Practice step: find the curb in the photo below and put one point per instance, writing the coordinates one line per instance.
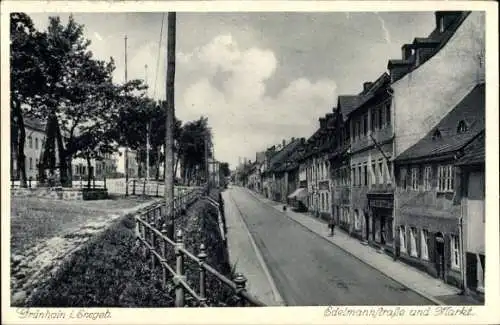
(277, 296)
(420, 293)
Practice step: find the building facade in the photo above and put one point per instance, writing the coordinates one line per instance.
(429, 190)
(133, 166)
(339, 159)
(33, 146)
(371, 155)
(473, 213)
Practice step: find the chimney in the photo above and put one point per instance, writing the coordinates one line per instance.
(424, 48)
(322, 122)
(398, 68)
(445, 18)
(283, 142)
(367, 85)
(406, 51)
(293, 139)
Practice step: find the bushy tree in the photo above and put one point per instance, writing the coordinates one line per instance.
(27, 80)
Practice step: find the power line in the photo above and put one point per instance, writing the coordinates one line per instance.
(158, 57)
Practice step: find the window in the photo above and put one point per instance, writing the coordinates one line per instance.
(353, 176)
(30, 142)
(445, 178)
(36, 163)
(455, 252)
(359, 176)
(403, 178)
(413, 242)
(414, 178)
(374, 119)
(380, 117)
(402, 239)
(424, 249)
(31, 163)
(427, 178)
(389, 175)
(381, 172)
(462, 127)
(365, 174)
(36, 143)
(365, 124)
(374, 171)
(388, 114)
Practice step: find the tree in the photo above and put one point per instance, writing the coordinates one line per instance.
(192, 148)
(224, 169)
(26, 82)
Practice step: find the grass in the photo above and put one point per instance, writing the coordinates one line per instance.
(36, 219)
(112, 271)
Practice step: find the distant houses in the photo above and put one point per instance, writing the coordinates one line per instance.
(400, 165)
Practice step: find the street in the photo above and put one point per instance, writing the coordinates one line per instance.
(309, 271)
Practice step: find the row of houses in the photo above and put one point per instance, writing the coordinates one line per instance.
(400, 165)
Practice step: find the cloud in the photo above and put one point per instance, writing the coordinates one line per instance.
(244, 119)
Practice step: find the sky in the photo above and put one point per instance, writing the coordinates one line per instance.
(258, 77)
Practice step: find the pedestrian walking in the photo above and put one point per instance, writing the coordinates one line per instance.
(331, 226)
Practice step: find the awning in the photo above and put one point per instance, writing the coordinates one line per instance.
(299, 194)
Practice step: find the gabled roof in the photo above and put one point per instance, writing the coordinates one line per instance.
(367, 95)
(280, 157)
(471, 109)
(346, 104)
(474, 152)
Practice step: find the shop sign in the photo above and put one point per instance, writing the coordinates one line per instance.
(377, 203)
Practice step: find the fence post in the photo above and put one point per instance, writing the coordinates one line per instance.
(157, 186)
(153, 239)
(164, 255)
(29, 182)
(144, 188)
(133, 187)
(105, 182)
(93, 182)
(240, 282)
(202, 256)
(179, 290)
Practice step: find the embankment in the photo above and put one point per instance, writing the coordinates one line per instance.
(112, 270)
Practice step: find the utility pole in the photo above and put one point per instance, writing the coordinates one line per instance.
(126, 147)
(147, 133)
(169, 136)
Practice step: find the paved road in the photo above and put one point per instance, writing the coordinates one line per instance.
(310, 271)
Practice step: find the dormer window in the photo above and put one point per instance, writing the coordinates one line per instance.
(462, 127)
(436, 135)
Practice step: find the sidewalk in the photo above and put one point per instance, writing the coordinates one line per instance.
(245, 256)
(422, 283)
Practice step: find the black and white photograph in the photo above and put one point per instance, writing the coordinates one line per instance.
(164, 158)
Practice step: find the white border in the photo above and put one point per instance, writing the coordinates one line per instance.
(490, 313)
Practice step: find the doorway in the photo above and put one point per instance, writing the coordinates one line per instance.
(439, 259)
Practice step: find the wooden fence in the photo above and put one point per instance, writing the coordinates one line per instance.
(157, 245)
